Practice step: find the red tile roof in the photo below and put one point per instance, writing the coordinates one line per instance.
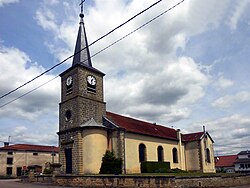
(192, 137)
(225, 161)
(28, 147)
(142, 127)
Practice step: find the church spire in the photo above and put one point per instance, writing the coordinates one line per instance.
(82, 56)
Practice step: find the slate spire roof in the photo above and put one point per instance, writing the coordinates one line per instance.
(82, 54)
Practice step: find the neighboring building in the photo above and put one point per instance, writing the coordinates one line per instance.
(225, 163)
(242, 164)
(16, 158)
(87, 130)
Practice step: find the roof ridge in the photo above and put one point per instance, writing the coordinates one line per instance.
(142, 121)
(34, 145)
(193, 133)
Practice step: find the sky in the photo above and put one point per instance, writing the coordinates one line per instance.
(187, 69)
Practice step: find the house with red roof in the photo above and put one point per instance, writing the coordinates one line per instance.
(225, 163)
(17, 158)
(87, 129)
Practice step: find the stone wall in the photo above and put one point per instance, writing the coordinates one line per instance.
(146, 181)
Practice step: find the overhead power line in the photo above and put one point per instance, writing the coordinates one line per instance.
(48, 70)
(125, 36)
(11, 101)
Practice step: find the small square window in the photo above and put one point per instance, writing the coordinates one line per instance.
(9, 161)
(10, 153)
(35, 153)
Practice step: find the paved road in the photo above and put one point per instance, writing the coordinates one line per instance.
(18, 184)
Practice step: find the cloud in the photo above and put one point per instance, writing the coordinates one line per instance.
(146, 62)
(223, 83)
(238, 11)
(16, 69)
(230, 100)
(23, 134)
(5, 2)
(64, 30)
(231, 134)
(161, 95)
(146, 76)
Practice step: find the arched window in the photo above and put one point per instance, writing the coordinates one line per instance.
(175, 155)
(160, 153)
(208, 159)
(142, 153)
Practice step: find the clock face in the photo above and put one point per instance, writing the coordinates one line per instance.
(69, 81)
(91, 80)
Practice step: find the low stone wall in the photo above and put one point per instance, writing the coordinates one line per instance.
(144, 181)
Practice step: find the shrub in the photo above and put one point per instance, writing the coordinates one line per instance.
(155, 167)
(177, 170)
(110, 164)
(47, 171)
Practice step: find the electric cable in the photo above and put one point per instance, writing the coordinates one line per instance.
(11, 101)
(48, 70)
(138, 28)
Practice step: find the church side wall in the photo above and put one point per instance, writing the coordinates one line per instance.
(132, 142)
(93, 148)
(207, 166)
(192, 156)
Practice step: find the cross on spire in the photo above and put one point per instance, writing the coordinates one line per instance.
(81, 4)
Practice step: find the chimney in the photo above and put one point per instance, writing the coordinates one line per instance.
(178, 132)
(204, 130)
(6, 144)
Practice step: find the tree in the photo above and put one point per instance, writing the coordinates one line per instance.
(110, 164)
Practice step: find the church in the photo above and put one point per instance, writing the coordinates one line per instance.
(87, 130)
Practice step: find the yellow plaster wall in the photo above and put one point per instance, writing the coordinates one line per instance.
(94, 147)
(132, 142)
(206, 166)
(114, 143)
(192, 156)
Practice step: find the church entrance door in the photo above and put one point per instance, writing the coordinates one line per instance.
(68, 156)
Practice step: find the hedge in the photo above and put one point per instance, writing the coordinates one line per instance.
(155, 167)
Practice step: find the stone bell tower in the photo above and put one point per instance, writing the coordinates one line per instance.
(81, 101)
